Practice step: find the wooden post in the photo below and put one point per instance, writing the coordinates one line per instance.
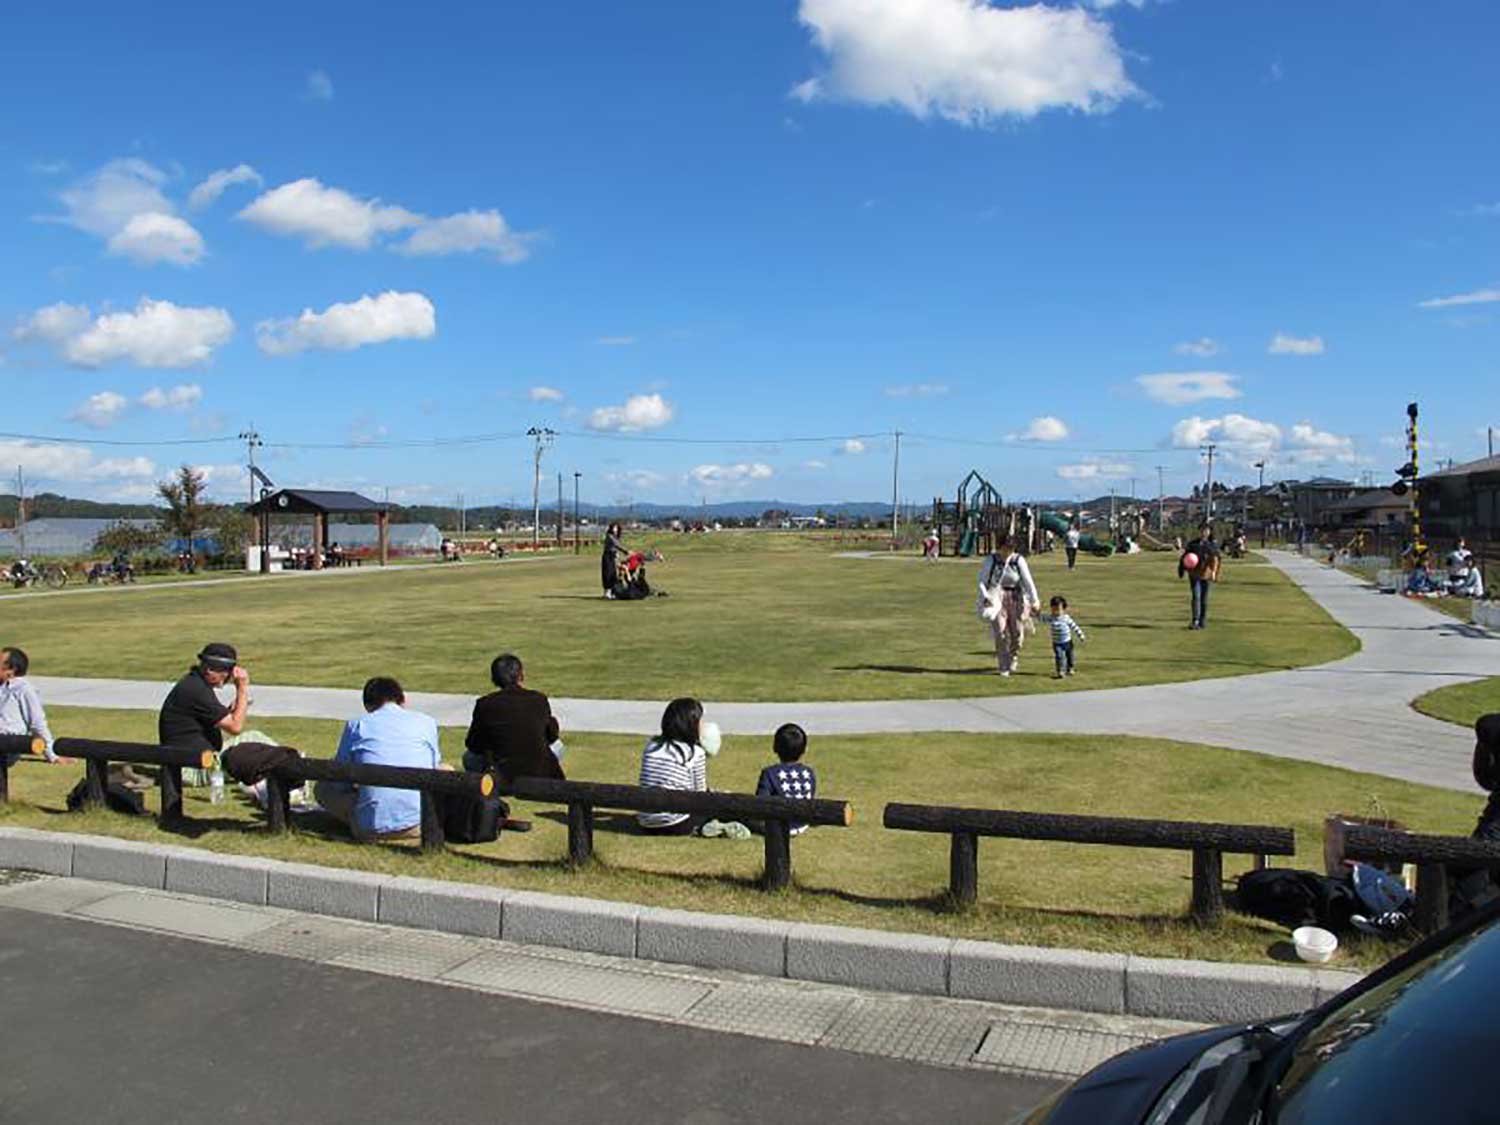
(169, 781)
(1208, 886)
(383, 533)
(778, 855)
(96, 777)
(580, 832)
(963, 867)
(278, 804)
(432, 823)
(4, 778)
(320, 539)
(1431, 913)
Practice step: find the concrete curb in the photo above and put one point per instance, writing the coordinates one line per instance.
(1074, 980)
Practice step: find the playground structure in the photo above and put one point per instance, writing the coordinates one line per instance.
(976, 518)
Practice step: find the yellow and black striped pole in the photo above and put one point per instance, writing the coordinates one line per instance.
(1418, 544)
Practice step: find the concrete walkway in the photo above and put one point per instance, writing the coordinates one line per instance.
(1353, 712)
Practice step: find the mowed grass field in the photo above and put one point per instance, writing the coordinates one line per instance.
(1101, 898)
(754, 617)
(1461, 703)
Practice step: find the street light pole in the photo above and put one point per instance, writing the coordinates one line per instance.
(543, 436)
(577, 543)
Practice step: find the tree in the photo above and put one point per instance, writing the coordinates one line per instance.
(233, 528)
(132, 539)
(183, 495)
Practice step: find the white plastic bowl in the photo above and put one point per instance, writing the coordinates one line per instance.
(1314, 944)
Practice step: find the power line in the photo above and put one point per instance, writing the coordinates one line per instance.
(117, 441)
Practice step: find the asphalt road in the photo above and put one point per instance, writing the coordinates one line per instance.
(105, 1024)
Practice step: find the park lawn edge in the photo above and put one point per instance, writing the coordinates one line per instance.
(1460, 704)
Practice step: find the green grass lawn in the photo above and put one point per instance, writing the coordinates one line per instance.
(1032, 893)
(1461, 703)
(750, 617)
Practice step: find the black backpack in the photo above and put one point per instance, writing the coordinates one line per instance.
(1297, 898)
(471, 820)
(117, 798)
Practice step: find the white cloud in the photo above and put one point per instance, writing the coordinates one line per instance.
(1236, 431)
(466, 233)
(616, 341)
(1478, 297)
(1179, 387)
(44, 461)
(53, 324)
(155, 334)
(184, 396)
(326, 216)
(352, 324)
(851, 446)
(216, 182)
(917, 390)
(1093, 470)
(729, 475)
(1045, 428)
(319, 86)
(101, 410)
(640, 412)
(966, 61)
(815, 464)
(1203, 347)
(641, 479)
(1307, 443)
(123, 204)
(545, 394)
(1282, 344)
(154, 237)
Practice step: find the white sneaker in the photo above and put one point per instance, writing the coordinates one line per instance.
(1005, 673)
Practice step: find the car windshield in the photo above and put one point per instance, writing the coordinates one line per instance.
(1420, 1042)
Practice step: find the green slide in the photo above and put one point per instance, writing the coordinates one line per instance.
(1059, 527)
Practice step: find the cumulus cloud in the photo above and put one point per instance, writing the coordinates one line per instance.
(1282, 344)
(1203, 347)
(319, 86)
(154, 237)
(123, 204)
(917, 390)
(728, 475)
(45, 461)
(351, 324)
(966, 61)
(100, 411)
(153, 334)
(1179, 387)
(1247, 439)
(1045, 428)
(468, 233)
(1093, 470)
(545, 394)
(215, 184)
(1308, 443)
(1478, 297)
(182, 397)
(850, 446)
(640, 412)
(815, 464)
(328, 216)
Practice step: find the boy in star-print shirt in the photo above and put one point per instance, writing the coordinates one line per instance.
(790, 778)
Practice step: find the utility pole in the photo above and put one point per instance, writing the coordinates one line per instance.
(1491, 431)
(896, 490)
(577, 542)
(21, 509)
(543, 436)
(252, 442)
(1208, 511)
(463, 521)
(559, 511)
(1161, 499)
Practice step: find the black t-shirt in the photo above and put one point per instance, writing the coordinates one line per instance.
(190, 715)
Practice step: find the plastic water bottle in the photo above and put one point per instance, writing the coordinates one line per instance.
(216, 785)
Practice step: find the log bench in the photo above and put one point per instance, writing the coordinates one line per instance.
(1208, 842)
(170, 761)
(23, 744)
(777, 814)
(1432, 854)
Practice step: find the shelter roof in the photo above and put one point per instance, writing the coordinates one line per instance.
(306, 501)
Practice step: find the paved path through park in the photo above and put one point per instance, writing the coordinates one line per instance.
(1352, 712)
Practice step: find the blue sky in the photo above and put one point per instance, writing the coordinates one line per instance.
(644, 224)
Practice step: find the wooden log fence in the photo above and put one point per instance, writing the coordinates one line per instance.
(1206, 841)
(1432, 854)
(776, 815)
(97, 754)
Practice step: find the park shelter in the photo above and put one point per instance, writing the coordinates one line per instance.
(321, 505)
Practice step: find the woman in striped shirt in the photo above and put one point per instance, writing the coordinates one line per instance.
(674, 759)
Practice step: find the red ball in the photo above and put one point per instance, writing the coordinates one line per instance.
(1190, 561)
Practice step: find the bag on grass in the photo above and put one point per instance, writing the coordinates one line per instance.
(117, 798)
(471, 820)
(1296, 898)
(249, 762)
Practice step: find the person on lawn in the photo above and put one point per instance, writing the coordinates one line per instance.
(513, 731)
(1203, 574)
(387, 734)
(21, 710)
(1007, 596)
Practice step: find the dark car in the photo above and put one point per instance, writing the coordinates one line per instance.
(1413, 1041)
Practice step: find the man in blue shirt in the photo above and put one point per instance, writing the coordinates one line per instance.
(386, 735)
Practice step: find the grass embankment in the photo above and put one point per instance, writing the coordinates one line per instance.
(1461, 703)
(1131, 900)
(750, 617)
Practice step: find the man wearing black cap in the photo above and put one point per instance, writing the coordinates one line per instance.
(192, 716)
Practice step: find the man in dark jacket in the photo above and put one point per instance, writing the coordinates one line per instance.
(1201, 577)
(513, 728)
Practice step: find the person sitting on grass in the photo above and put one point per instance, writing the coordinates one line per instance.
(192, 717)
(1063, 629)
(513, 731)
(675, 759)
(387, 734)
(21, 709)
(790, 778)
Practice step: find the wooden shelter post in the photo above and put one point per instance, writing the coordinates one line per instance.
(383, 531)
(320, 539)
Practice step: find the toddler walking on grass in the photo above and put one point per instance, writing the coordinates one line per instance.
(1063, 628)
